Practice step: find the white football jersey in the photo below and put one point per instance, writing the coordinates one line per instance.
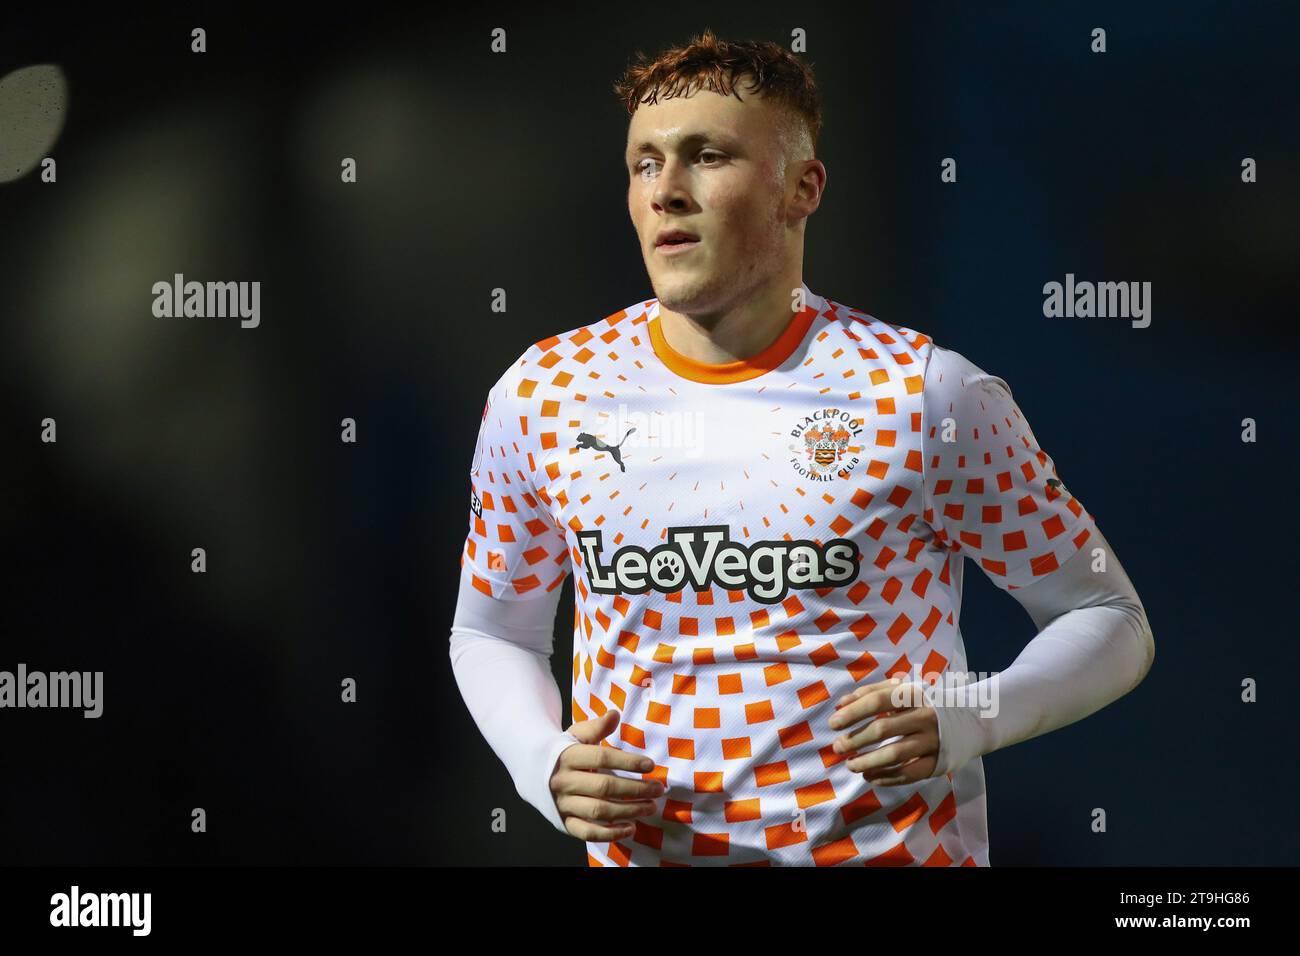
(752, 541)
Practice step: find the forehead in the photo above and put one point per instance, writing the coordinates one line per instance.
(704, 113)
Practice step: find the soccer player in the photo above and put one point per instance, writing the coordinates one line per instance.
(765, 497)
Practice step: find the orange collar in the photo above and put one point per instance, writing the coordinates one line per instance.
(738, 371)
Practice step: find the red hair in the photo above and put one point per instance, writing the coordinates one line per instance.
(717, 65)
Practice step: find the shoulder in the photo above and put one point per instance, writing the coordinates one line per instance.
(886, 343)
(859, 323)
(953, 380)
(548, 366)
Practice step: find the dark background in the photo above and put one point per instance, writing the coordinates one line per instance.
(479, 171)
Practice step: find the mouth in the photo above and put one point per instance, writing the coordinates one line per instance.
(675, 245)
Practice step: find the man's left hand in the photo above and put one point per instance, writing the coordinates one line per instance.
(907, 760)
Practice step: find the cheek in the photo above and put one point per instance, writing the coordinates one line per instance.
(746, 219)
(734, 203)
(640, 221)
(637, 200)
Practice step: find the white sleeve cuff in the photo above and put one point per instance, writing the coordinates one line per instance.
(539, 783)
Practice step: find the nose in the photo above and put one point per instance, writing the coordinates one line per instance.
(670, 191)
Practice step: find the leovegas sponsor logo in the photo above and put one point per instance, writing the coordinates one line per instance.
(704, 555)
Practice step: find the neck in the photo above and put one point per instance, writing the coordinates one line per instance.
(737, 332)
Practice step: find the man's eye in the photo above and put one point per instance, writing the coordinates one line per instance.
(708, 156)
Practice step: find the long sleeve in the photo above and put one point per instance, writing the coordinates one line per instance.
(993, 495)
(1097, 647)
(500, 654)
(513, 562)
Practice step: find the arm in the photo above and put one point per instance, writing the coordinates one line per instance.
(1094, 646)
(500, 654)
(514, 559)
(992, 494)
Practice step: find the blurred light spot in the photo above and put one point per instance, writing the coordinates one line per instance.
(33, 104)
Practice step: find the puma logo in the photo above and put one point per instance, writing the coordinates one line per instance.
(591, 441)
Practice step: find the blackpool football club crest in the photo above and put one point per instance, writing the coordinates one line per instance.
(827, 445)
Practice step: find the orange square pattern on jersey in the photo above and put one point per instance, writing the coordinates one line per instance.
(729, 695)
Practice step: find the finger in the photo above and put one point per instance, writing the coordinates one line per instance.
(896, 724)
(853, 695)
(604, 811)
(894, 695)
(885, 758)
(605, 786)
(918, 769)
(867, 689)
(596, 757)
(867, 705)
(596, 833)
(596, 729)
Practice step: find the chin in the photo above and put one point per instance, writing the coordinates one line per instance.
(683, 293)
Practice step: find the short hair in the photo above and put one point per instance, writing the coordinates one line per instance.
(717, 65)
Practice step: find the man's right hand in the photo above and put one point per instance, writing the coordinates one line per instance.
(595, 805)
